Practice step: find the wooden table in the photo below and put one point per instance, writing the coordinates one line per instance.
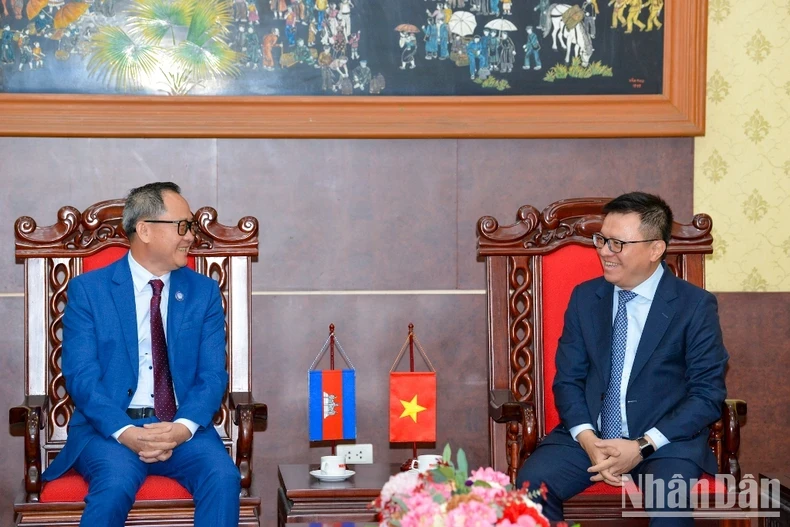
(783, 498)
(303, 498)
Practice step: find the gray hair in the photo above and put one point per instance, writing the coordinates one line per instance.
(145, 202)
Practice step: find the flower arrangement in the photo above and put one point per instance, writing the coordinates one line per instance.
(448, 497)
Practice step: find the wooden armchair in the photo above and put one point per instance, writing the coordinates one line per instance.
(77, 243)
(532, 267)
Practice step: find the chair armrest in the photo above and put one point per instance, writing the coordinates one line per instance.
(725, 437)
(27, 420)
(503, 407)
(249, 416)
(243, 402)
(522, 427)
(733, 416)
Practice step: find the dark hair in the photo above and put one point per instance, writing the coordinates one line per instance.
(654, 213)
(145, 202)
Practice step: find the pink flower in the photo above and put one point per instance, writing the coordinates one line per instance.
(450, 498)
(422, 511)
(489, 475)
(402, 483)
(471, 513)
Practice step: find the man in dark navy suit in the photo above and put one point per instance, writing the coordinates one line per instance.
(640, 371)
(144, 362)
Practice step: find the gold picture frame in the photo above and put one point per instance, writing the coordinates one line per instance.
(678, 111)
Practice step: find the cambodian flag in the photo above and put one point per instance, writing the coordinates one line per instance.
(332, 404)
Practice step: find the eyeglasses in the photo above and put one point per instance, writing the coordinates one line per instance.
(183, 225)
(616, 246)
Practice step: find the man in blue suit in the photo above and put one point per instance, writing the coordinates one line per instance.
(640, 371)
(144, 362)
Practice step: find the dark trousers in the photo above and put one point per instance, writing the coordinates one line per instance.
(114, 474)
(564, 471)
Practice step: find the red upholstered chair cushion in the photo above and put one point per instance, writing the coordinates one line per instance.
(72, 488)
(706, 485)
(563, 270)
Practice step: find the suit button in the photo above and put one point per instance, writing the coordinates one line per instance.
(129, 392)
(603, 396)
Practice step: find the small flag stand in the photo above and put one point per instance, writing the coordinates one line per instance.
(412, 400)
(331, 408)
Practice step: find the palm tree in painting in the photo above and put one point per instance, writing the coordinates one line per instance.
(180, 43)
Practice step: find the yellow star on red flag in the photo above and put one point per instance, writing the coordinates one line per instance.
(412, 393)
(411, 408)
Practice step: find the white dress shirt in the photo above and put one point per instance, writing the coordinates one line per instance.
(143, 292)
(637, 309)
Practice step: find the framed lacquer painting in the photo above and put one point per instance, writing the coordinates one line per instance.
(352, 68)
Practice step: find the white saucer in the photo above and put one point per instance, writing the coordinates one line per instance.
(335, 477)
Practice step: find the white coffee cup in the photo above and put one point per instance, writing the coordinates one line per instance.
(425, 462)
(333, 465)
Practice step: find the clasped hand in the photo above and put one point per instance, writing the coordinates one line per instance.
(610, 458)
(154, 441)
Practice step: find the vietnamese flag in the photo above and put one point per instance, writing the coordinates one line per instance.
(412, 407)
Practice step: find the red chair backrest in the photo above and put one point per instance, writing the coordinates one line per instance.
(563, 270)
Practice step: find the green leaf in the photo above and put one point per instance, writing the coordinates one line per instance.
(438, 477)
(447, 453)
(444, 470)
(152, 20)
(460, 484)
(400, 503)
(214, 59)
(483, 484)
(463, 465)
(118, 57)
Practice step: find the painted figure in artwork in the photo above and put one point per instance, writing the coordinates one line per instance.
(532, 50)
(634, 10)
(473, 50)
(270, 41)
(252, 49)
(344, 15)
(361, 75)
(408, 45)
(655, 10)
(431, 40)
(507, 53)
(444, 40)
(543, 6)
(617, 12)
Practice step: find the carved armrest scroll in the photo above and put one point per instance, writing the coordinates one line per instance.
(249, 416)
(733, 416)
(522, 427)
(27, 420)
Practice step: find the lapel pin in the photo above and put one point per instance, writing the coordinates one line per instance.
(179, 296)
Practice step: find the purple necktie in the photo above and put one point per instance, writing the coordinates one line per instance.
(164, 400)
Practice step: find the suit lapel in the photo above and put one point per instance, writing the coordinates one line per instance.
(123, 296)
(658, 320)
(602, 322)
(176, 305)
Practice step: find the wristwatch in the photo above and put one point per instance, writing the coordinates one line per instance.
(645, 448)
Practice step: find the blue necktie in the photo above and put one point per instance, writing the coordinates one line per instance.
(610, 412)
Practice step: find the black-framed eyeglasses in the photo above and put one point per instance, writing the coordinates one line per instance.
(615, 245)
(183, 225)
